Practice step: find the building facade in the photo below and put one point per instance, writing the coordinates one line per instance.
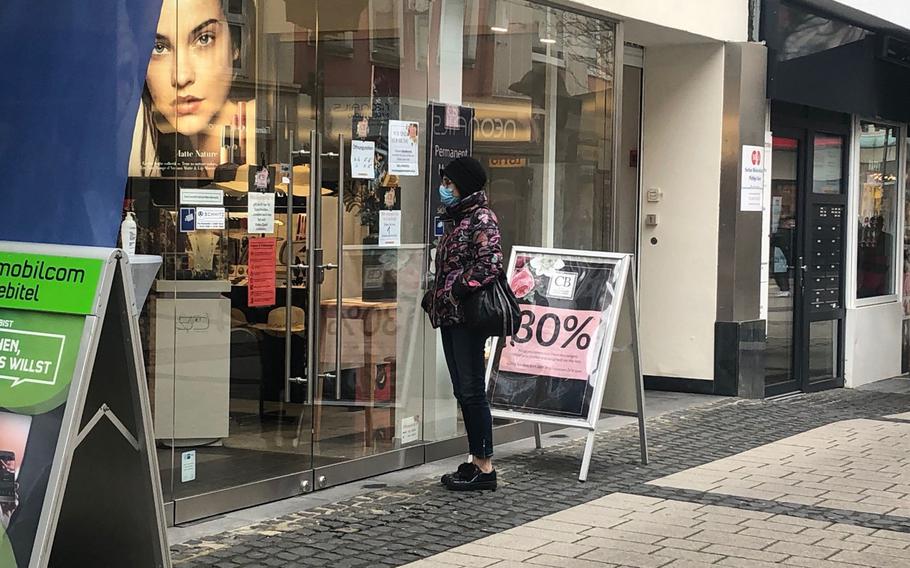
(286, 350)
(281, 157)
(838, 122)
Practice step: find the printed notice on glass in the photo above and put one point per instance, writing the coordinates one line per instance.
(195, 196)
(389, 228)
(261, 275)
(404, 138)
(363, 155)
(753, 179)
(551, 364)
(410, 430)
(261, 213)
(211, 218)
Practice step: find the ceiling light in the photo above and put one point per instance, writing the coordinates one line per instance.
(499, 29)
(547, 40)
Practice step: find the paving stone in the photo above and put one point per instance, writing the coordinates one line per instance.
(690, 555)
(659, 529)
(564, 549)
(560, 562)
(544, 534)
(626, 558)
(736, 540)
(418, 516)
(805, 550)
(738, 562)
(865, 558)
(484, 551)
(747, 553)
(616, 544)
(794, 537)
(616, 534)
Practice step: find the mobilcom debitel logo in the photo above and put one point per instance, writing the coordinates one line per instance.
(48, 283)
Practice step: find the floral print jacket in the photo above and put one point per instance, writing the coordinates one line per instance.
(469, 256)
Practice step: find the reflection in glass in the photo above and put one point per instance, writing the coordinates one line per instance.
(878, 171)
(784, 184)
(805, 33)
(905, 281)
(823, 343)
(828, 164)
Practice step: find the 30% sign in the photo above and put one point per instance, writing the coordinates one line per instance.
(554, 342)
(547, 329)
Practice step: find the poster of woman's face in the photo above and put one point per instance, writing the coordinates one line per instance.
(190, 124)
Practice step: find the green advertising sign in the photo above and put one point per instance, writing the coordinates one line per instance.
(38, 354)
(49, 283)
(7, 558)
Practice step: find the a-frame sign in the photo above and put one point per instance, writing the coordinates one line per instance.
(79, 482)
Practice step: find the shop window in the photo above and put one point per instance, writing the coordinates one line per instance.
(877, 211)
(905, 280)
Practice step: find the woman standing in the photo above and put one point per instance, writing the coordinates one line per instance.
(468, 258)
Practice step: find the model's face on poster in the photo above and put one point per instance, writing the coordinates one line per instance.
(191, 68)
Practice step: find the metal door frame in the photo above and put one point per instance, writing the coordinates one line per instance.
(805, 132)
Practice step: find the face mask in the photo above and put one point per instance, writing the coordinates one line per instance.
(447, 196)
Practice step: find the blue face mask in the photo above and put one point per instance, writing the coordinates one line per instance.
(447, 196)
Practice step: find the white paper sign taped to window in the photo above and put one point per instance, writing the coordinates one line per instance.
(363, 156)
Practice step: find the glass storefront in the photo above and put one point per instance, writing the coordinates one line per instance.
(281, 167)
(878, 209)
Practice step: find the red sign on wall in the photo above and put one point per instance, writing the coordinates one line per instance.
(261, 281)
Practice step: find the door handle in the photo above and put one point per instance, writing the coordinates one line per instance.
(328, 266)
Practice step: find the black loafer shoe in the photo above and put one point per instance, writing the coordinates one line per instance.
(476, 480)
(466, 468)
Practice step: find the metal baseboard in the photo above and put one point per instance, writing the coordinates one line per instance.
(197, 507)
(362, 468)
(501, 435)
(205, 505)
(169, 513)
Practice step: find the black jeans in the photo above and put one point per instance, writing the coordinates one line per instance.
(463, 348)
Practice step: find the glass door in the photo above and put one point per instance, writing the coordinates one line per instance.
(229, 110)
(806, 292)
(369, 251)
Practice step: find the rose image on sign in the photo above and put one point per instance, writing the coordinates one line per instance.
(553, 342)
(523, 283)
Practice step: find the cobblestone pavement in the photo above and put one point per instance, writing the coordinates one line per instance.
(542, 516)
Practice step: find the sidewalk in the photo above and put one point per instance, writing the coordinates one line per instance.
(813, 480)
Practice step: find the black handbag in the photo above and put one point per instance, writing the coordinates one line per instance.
(493, 310)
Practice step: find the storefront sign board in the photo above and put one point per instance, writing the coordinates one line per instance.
(76, 445)
(576, 351)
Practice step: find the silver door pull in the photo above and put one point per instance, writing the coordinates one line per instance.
(300, 266)
(328, 266)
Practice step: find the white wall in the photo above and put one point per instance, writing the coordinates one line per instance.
(726, 20)
(681, 152)
(873, 344)
(894, 11)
